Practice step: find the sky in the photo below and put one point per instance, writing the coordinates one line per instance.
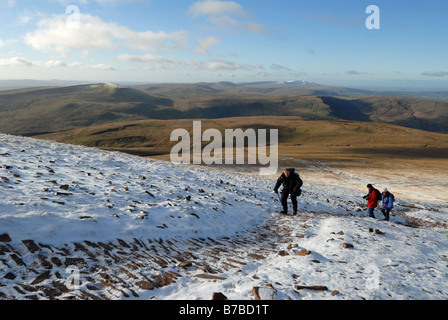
(323, 41)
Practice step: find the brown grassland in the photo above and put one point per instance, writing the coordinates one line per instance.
(367, 149)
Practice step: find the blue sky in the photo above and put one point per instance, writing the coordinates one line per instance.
(324, 41)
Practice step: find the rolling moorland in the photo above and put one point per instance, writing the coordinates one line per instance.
(37, 111)
(316, 123)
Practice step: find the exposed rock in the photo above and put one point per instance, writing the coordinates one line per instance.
(185, 264)
(64, 194)
(209, 276)
(79, 262)
(147, 192)
(145, 285)
(42, 277)
(264, 293)
(303, 252)
(218, 296)
(44, 262)
(256, 256)
(5, 238)
(17, 260)
(10, 276)
(317, 288)
(56, 261)
(347, 245)
(163, 280)
(283, 253)
(236, 261)
(31, 246)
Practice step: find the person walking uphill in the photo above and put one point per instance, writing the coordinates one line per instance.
(388, 203)
(372, 199)
(291, 182)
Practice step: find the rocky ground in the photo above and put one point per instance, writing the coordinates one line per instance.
(137, 269)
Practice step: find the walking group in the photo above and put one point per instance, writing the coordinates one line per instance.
(374, 196)
(292, 183)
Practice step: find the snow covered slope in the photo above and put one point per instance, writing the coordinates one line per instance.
(146, 229)
(57, 193)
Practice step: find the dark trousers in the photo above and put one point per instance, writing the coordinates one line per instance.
(386, 212)
(284, 200)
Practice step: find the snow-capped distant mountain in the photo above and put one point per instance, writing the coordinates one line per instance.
(300, 83)
(81, 223)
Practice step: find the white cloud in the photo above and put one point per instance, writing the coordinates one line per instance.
(216, 65)
(148, 58)
(54, 64)
(256, 28)
(92, 33)
(79, 65)
(7, 3)
(169, 63)
(105, 3)
(24, 18)
(102, 67)
(15, 62)
(205, 44)
(226, 15)
(23, 62)
(279, 67)
(353, 72)
(215, 7)
(435, 74)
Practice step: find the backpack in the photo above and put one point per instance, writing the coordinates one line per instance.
(379, 196)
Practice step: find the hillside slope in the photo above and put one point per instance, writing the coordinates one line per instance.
(41, 110)
(55, 109)
(298, 137)
(80, 223)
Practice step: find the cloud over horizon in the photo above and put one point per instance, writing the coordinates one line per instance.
(92, 33)
(435, 74)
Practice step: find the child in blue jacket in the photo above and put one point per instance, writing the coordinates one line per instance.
(388, 203)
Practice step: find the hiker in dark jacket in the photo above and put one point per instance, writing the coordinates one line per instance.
(291, 182)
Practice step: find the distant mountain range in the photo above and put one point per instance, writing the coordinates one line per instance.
(35, 111)
(294, 87)
(196, 90)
